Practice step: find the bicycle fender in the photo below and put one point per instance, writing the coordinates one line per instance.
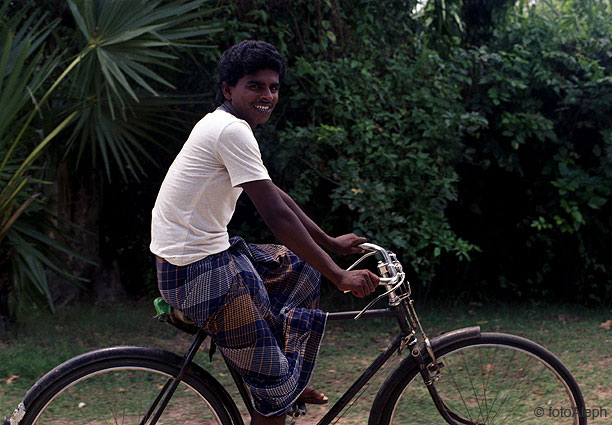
(132, 352)
(408, 367)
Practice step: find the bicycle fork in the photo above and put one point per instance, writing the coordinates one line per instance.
(172, 384)
(429, 369)
(425, 369)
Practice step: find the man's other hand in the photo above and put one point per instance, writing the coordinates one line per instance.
(346, 244)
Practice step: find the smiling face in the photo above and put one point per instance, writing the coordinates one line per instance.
(253, 97)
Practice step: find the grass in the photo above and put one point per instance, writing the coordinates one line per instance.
(572, 333)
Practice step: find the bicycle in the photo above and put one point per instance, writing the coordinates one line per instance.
(471, 378)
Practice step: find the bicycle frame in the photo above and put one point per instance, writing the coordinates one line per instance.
(400, 307)
(364, 378)
(402, 339)
(166, 393)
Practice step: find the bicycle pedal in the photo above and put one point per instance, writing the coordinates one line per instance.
(298, 409)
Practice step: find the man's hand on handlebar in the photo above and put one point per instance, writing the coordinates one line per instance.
(346, 244)
(359, 282)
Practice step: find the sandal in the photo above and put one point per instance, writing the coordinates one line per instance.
(312, 396)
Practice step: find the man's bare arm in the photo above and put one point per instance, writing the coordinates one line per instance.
(291, 231)
(345, 244)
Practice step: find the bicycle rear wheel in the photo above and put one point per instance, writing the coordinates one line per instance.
(494, 379)
(119, 385)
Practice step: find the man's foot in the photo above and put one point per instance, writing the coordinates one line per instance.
(312, 396)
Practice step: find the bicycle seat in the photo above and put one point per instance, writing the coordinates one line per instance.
(167, 313)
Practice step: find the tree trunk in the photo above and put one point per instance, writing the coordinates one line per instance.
(79, 202)
(5, 313)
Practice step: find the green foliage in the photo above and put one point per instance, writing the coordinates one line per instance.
(447, 135)
(378, 129)
(544, 86)
(117, 88)
(98, 94)
(25, 249)
(412, 131)
(448, 23)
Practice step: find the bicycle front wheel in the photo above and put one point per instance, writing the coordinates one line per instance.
(494, 379)
(119, 386)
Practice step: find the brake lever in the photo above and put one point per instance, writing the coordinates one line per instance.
(397, 281)
(383, 280)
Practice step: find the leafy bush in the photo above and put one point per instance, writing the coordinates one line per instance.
(505, 143)
(370, 124)
(383, 141)
(543, 165)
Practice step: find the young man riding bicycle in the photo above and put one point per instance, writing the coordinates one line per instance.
(258, 302)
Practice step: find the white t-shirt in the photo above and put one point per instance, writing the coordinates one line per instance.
(198, 196)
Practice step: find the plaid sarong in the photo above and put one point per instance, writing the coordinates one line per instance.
(259, 304)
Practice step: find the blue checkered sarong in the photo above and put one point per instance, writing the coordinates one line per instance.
(259, 304)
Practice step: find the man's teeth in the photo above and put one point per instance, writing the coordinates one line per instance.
(262, 108)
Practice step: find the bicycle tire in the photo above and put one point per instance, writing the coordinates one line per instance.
(117, 385)
(491, 379)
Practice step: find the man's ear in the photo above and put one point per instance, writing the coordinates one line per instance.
(227, 90)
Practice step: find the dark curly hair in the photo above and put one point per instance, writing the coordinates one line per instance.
(247, 57)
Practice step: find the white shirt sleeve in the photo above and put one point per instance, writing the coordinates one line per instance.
(239, 152)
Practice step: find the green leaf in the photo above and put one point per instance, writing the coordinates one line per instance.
(596, 202)
(331, 36)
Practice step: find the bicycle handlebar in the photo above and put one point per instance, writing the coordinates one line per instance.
(390, 265)
(375, 248)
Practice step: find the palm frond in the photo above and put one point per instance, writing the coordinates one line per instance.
(135, 44)
(25, 70)
(128, 37)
